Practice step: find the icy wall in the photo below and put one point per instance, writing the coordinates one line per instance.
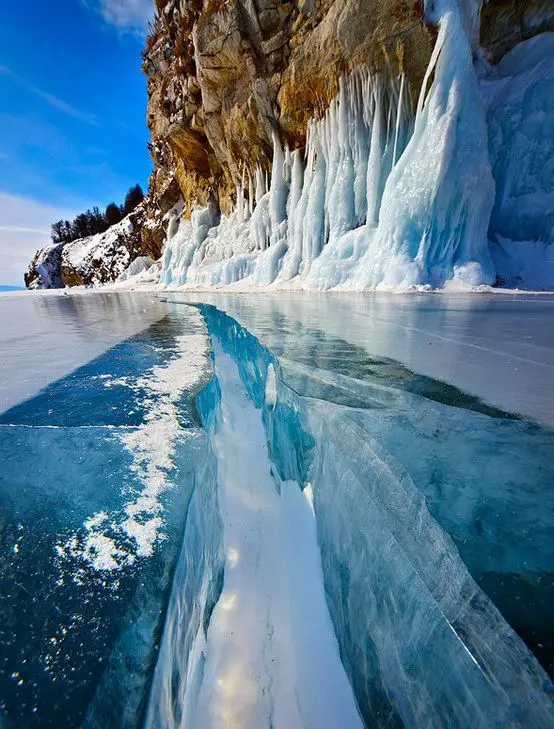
(382, 199)
(519, 94)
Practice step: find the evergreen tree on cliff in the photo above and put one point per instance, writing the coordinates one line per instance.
(93, 221)
(133, 198)
(113, 214)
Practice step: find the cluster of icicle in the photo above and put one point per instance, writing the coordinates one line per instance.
(380, 199)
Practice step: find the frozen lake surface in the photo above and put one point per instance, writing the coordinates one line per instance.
(45, 337)
(499, 348)
(276, 510)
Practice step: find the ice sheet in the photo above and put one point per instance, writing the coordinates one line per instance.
(271, 657)
(421, 643)
(42, 338)
(497, 348)
(97, 473)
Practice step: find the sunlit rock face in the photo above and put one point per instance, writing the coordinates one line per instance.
(102, 258)
(223, 75)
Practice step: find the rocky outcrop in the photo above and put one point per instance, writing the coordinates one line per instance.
(102, 258)
(223, 74)
(44, 271)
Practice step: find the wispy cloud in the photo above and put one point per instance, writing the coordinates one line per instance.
(125, 15)
(24, 227)
(50, 99)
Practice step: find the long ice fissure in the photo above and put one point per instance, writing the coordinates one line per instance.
(271, 655)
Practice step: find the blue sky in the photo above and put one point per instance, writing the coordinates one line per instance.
(72, 115)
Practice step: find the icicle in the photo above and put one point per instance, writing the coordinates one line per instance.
(297, 181)
(279, 186)
(261, 187)
(239, 205)
(310, 221)
(250, 195)
(339, 202)
(398, 118)
(298, 200)
(375, 157)
(287, 166)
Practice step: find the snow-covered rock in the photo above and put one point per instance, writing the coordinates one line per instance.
(100, 258)
(142, 267)
(44, 269)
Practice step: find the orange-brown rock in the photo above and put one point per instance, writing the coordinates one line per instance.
(222, 74)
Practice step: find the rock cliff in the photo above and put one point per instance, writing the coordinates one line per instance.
(223, 74)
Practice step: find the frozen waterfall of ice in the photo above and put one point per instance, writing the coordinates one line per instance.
(437, 201)
(379, 200)
(383, 199)
(519, 94)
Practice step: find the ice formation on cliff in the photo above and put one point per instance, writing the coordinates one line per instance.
(519, 95)
(382, 199)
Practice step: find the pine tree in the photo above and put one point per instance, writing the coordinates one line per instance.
(132, 199)
(92, 222)
(113, 213)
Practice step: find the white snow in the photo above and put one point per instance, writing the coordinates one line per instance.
(88, 256)
(152, 446)
(47, 266)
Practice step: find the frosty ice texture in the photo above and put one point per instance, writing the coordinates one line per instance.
(92, 522)
(422, 645)
(329, 498)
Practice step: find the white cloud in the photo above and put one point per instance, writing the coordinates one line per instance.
(131, 15)
(64, 107)
(24, 227)
(54, 101)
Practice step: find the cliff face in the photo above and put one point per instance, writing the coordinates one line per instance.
(103, 257)
(223, 74)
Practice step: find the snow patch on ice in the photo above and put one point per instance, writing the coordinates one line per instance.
(109, 542)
